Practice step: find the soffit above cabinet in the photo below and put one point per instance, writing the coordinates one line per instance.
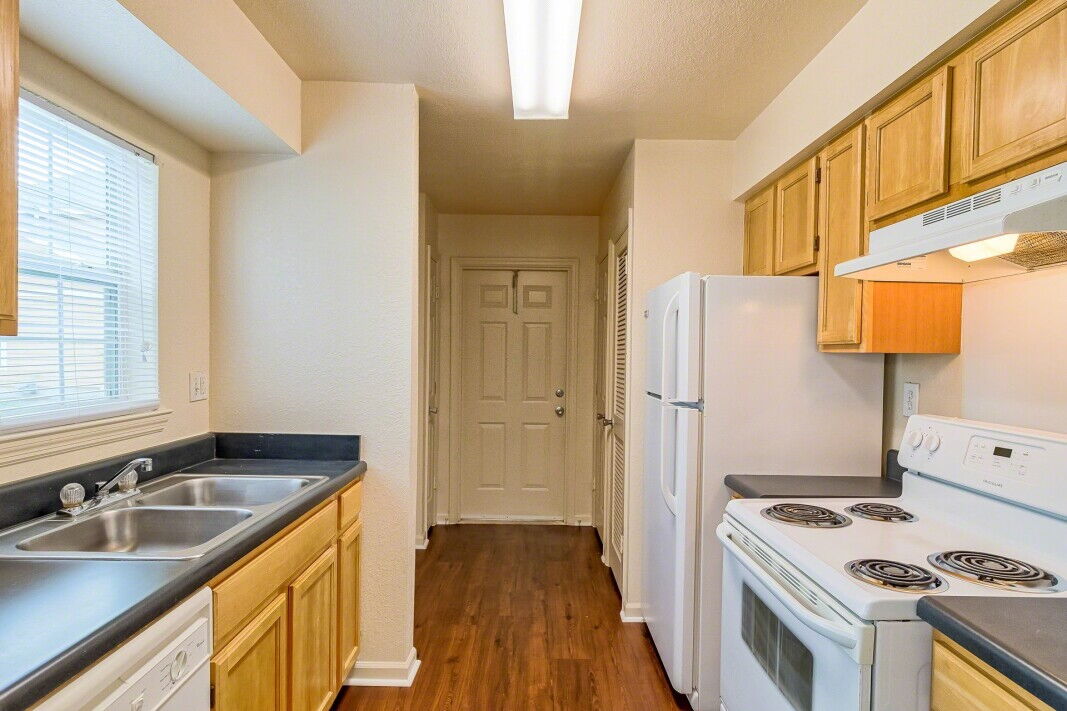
(181, 71)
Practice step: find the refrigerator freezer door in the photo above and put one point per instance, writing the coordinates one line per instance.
(673, 339)
(671, 488)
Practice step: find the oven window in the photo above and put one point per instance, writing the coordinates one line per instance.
(786, 660)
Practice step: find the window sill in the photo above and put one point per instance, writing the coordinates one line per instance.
(37, 444)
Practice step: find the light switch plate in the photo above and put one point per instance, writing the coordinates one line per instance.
(911, 399)
(197, 386)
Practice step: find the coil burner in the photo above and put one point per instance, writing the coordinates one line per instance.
(903, 577)
(806, 515)
(997, 571)
(880, 512)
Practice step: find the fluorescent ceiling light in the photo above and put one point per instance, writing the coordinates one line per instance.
(992, 247)
(542, 41)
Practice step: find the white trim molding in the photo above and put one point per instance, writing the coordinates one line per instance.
(368, 673)
(20, 447)
(631, 612)
(422, 544)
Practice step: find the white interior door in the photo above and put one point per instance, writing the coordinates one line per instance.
(433, 363)
(600, 394)
(513, 355)
(620, 287)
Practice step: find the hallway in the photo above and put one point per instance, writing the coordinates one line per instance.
(521, 617)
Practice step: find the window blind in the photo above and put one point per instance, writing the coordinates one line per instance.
(87, 261)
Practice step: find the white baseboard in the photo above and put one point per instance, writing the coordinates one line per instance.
(421, 545)
(631, 612)
(442, 519)
(583, 521)
(384, 673)
(604, 560)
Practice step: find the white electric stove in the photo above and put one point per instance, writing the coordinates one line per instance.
(820, 595)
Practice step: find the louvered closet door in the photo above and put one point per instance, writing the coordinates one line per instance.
(617, 438)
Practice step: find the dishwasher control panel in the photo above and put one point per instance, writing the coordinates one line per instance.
(147, 688)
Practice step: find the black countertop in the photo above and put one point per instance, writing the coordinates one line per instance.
(58, 617)
(774, 486)
(1024, 638)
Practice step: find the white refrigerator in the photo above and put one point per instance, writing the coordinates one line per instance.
(735, 384)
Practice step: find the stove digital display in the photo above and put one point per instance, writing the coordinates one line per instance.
(1001, 452)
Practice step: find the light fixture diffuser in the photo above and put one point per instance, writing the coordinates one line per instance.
(542, 42)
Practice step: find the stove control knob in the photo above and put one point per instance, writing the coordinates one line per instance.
(915, 439)
(933, 441)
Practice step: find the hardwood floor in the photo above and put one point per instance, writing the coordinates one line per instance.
(521, 617)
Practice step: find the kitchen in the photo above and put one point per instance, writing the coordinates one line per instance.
(344, 216)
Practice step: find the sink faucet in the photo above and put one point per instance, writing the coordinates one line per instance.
(73, 495)
(125, 479)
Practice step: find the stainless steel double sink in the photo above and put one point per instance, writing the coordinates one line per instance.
(176, 517)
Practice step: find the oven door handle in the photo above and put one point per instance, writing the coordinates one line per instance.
(846, 635)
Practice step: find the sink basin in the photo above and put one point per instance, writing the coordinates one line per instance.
(224, 491)
(141, 531)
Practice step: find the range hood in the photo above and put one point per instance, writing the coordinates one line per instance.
(1014, 228)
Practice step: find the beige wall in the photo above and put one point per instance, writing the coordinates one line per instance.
(529, 236)
(184, 195)
(1010, 369)
(883, 47)
(314, 315)
(684, 220)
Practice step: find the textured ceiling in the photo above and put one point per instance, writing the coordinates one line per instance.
(645, 69)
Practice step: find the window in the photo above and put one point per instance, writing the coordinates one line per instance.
(87, 343)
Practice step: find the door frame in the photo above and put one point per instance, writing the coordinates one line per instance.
(431, 304)
(455, 391)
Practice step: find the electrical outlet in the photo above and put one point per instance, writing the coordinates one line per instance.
(911, 399)
(197, 386)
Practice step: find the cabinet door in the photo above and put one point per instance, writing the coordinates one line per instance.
(251, 673)
(9, 109)
(313, 630)
(794, 220)
(1015, 91)
(907, 153)
(962, 683)
(348, 550)
(759, 234)
(841, 237)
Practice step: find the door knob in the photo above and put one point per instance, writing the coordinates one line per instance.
(606, 422)
(559, 392)
(559, 411)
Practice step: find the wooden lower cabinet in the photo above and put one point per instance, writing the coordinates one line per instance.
(963, 682)
(252, 672)
(348, 556)
(287, 615)
(313, 627)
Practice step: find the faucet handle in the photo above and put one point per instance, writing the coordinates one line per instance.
(128, 482)
(72, 495)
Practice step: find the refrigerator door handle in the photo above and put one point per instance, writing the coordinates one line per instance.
(667, 447)
(669, 366)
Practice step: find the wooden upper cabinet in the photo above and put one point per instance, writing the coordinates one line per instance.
(841, 234)
(9, 109)
(251, 673)
(313, 630)
(794, 220)
(1014, 102)
(907, 150)
(759, 234)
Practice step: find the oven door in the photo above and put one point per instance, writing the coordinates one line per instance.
(786, 644)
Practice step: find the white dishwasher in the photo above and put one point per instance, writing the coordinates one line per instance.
(165, 667)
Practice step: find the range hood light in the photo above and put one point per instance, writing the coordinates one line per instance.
(542, 42)
(992, 247)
